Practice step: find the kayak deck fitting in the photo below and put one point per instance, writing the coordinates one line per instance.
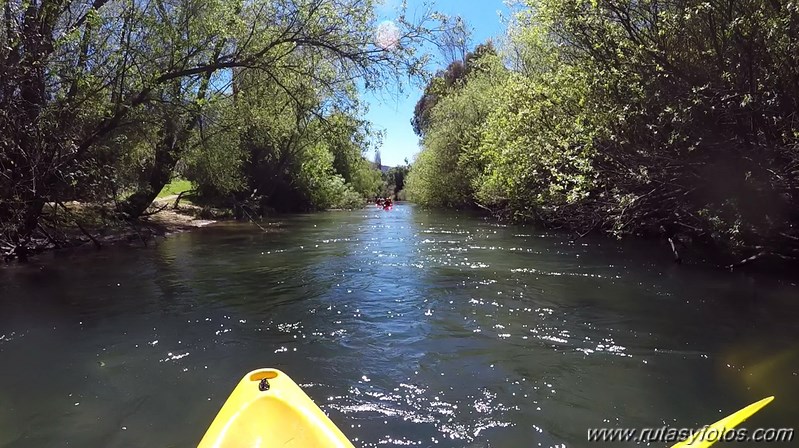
(268, 409)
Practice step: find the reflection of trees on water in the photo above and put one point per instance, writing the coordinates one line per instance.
(524, 326)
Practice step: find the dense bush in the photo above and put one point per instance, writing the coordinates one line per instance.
(633, 117)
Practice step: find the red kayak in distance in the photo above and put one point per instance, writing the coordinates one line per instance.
(385, 204)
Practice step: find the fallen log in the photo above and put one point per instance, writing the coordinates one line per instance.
(677, 258)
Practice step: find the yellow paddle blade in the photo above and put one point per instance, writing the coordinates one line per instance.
(710, 435)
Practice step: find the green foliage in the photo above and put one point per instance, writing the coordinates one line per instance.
(444, 170)
(538, 144)
(446, 81)
(395, 179)
(321, 185)
(269, 150)
(215, 164)
(634, 117)
(177, 186)
(349, 139)
(107, 100)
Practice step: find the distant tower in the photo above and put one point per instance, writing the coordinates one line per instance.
(377, 160)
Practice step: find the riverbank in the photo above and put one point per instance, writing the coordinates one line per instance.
(80, 226)
(88, 227)
(76, 225)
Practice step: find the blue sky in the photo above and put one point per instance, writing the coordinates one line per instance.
(392, 111)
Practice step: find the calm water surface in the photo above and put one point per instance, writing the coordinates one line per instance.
(409, 328)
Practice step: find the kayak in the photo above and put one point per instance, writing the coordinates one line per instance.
(268, 409)
(716, 431)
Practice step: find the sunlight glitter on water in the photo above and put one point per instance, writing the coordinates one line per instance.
(385, 323)
(418, 405)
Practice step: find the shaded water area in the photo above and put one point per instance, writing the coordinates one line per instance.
(409, 328)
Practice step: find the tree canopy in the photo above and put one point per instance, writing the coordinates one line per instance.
(645, 117)
(107, 100)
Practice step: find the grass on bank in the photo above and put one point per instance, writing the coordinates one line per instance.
(177, 186)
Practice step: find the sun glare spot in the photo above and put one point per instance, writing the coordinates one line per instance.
(387, 35)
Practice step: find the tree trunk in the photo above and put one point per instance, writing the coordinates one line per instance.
(25, 228)
(167, 154)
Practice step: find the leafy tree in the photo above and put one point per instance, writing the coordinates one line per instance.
(633, 117)
(395, 179)
(455, 39)
(450, 160)
(350, 140)
(445, 82)
(77, 72)
(290, 153)
(699, 141)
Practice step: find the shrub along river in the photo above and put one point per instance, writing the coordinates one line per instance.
(408, 327)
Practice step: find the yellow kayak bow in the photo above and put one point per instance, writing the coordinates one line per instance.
(268, 409)
(723, 426)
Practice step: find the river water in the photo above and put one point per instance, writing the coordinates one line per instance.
(408, 327)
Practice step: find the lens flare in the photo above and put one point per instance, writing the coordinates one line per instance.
(387, 35)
